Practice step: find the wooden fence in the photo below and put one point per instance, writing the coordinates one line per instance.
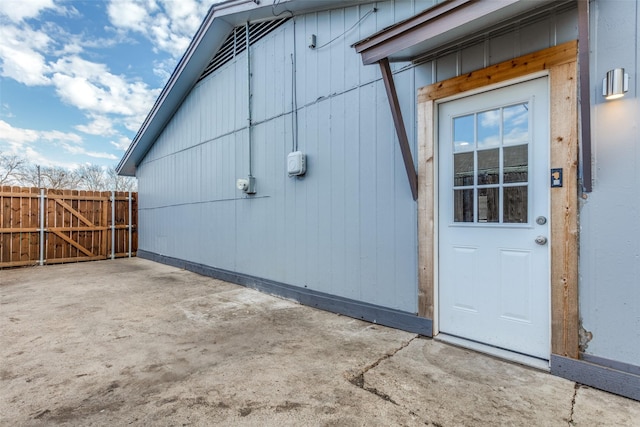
(45, 226)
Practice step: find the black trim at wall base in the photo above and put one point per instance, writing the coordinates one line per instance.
(605, 378)
(359, 310)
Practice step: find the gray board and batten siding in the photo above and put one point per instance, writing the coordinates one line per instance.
(610, 215)
(348, 227)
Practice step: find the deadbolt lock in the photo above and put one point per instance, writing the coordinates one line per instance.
(541, 220)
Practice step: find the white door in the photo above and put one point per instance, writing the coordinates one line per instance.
(493, 205)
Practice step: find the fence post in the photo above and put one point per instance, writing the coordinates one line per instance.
(113, 224)
(130, 222)
(42, 208)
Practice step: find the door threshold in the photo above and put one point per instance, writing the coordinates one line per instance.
(500, 353)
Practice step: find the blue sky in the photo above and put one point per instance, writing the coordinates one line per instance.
(79, 76)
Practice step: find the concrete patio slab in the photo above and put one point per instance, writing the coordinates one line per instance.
(594, 407)
(446, 385)
(132, 342)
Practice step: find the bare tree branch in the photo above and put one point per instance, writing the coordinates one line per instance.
(92, 178)
(11, 166)
(121, 183)
(59, 178)
(16, 170)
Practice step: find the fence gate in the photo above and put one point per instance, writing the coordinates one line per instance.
(45, 226)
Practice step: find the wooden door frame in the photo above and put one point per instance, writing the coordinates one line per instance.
(560, 62)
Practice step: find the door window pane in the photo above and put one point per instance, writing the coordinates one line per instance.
(489, 129)
(463, 133)
(516, 164)
(516, 205)
(489, 204)
(463, 169)
(489, 166)
(463, 205)
(516, 124)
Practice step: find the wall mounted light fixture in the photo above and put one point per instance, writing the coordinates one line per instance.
(615, 84)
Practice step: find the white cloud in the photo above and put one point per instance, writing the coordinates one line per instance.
(87, 85)
(16, 136)
(128, 14)
(98, 155)
(21, 55)
(78, 150)
(169, 24)
(188, 13)
(19, 136)
(58, 136)
(99, 125)
(17, 10)
(90, 86)
(490, 119)
(24, 142)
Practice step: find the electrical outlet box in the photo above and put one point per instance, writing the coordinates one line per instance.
(242, 184)
(296, 164)
(248, 185)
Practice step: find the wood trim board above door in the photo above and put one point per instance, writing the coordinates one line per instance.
(514, 68)
(561, 64)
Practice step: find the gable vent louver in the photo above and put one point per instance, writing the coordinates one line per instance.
(235, 44)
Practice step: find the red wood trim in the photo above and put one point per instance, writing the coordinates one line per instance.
(401, 131)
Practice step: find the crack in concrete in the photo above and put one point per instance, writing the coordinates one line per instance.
(358, 379)
(573, 404)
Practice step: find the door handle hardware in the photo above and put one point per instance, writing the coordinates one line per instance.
(541, 240)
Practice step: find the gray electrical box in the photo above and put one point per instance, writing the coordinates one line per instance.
(296, 164)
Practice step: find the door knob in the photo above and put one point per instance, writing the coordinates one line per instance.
(541, 240)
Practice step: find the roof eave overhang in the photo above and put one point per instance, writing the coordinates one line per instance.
(438, 25)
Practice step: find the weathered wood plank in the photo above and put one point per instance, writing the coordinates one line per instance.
(104, 221)
(76, 197)
(81, 229)
(15, 221)
(5, 193)
(34, 253)
(426, 194)
(24, 220)
(507, 70)
(74, 212)
(75, 259)
(564, 214)
(72, 243)
(17, 263)
(19, 230)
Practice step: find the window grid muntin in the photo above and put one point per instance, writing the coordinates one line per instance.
(473, 148)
